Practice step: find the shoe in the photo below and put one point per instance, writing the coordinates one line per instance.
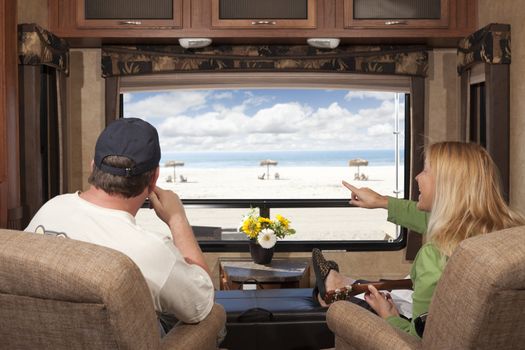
(322, 268)
(339, 294)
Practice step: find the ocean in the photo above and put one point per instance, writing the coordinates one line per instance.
(284, 158)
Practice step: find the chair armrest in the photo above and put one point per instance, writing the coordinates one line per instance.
(362, 329)
(202, 335)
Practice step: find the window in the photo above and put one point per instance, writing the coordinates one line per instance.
(282, 149)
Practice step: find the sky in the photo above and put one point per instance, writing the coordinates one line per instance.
(268, 119)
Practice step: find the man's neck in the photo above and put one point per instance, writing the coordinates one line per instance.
(103, 199)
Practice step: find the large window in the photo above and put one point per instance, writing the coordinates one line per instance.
(283, 151)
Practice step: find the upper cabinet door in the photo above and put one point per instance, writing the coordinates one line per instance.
(259, 14)
(129, 13)
(397, 14)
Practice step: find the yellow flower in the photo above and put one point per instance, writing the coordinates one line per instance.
(253, 224)
(251, 227)
(284, 221)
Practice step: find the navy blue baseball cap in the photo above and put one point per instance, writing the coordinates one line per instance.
(133, 138)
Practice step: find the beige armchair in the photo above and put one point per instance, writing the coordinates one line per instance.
(58, 293)
(479, 303)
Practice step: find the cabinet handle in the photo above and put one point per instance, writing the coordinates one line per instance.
(135, 23)
(263, 22)
(394, 23)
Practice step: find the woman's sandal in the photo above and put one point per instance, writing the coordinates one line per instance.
(322, 268)
(361, 286)
(339, 294)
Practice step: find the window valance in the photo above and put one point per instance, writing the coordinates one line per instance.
(37, 46)
(490, 44)
(142, 59)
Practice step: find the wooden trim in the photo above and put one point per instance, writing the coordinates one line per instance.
(3, 118)
(9, 152)
(30, 128)
(497, 109)
(281, 79)
(442, 22)
(417, 127)
(63, 127)
(464, 106)
(3, 93)
(497, 106)
(129, 23)
(310, 22)
(112, 102)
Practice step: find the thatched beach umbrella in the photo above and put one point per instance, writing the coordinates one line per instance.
(174, 164)
(358, 162)
(268, 162)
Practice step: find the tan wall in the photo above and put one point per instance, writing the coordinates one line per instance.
(513, 13)
(441, 107)
(85, 111)
(33, 11)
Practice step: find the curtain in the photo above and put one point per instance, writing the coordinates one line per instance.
(142, 59)
(43, 66)
(490, 44)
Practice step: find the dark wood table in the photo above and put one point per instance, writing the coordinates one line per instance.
(243, 273)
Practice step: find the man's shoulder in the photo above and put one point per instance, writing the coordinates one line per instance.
(61, 199)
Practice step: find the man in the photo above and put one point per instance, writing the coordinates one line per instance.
(124, 173)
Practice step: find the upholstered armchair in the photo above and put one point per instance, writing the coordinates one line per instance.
(59, 293)
(479, 303)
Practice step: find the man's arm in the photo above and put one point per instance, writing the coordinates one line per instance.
(168, 207)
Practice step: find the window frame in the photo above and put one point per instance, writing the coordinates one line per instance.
(362, 82)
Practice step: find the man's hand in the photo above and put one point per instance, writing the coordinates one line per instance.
(167, 206)
(382, 303)
(169, 209)
(366, 198)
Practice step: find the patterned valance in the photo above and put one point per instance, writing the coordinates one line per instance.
(37, 46)
(135, 60)
(490, 44)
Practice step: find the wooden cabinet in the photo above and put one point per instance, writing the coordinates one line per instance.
(398, 14)
(128, 13)
(264, 14)
(262, 21)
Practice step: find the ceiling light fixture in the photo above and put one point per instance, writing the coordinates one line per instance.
(194, 43)
(323, 43)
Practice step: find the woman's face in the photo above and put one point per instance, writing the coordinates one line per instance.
(426, 183)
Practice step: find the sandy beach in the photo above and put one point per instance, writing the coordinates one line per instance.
(293, 182)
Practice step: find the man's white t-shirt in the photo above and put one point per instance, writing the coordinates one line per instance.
(178, 288)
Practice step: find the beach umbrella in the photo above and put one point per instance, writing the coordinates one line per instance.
(268, 162)
(358, 162)
(174, 164)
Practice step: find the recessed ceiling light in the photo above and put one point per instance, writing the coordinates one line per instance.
(194, 43)
(323, 43)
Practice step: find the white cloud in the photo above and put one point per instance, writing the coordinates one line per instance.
(380, 130)
(184, 126)
(222, 95)
(378, 95)
(280, 118)
(164, 105)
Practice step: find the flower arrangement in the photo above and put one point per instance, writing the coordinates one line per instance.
(265, 231)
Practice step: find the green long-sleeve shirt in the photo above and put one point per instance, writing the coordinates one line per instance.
(427, 267)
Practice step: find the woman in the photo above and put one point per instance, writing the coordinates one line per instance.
(459, 187)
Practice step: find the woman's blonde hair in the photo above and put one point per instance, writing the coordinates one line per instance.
(467, 199)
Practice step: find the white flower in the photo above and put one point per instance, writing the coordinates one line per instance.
(266, 238)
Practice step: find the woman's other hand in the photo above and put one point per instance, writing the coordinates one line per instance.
(382, 303)
(366, 198)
